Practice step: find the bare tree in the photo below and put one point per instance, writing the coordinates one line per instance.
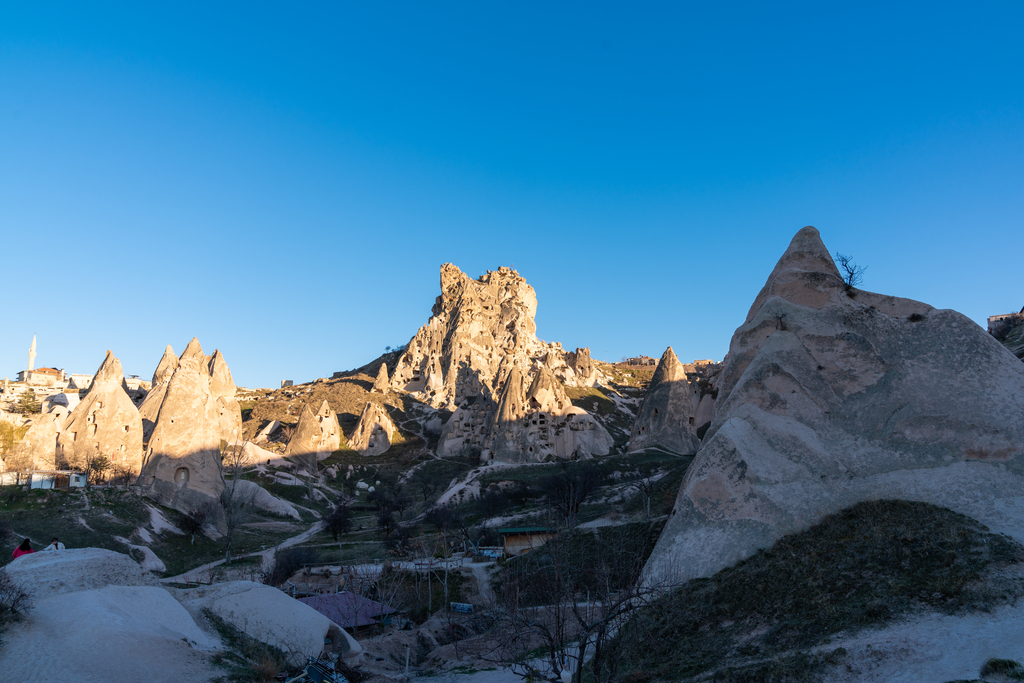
(852, 274)
(567, 489)
(235, 502)
(570, 602)
(645, 484)
(95, 465)
(193, 522)
(339, 521)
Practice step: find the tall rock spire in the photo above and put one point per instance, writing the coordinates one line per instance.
(666, 416)
(183, 458)
(105, 423)
(830, 396)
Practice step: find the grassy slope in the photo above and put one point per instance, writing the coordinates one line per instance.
(865, 566)
(94, 517)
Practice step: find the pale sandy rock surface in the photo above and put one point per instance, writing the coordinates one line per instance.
(264, 500)
(45, 574)
(104, 423)
(584, 370)
(116, 633)
(268, 615)
(382, 384)
(373, 432)
(667, 416)
(316, 435)
(183, 460)
(255, 455)
(38, 448)
(479, 329)
(222, 387)
(829, 397)
(150, 407)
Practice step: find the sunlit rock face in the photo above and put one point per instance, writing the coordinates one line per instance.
(183, 459)
(105, 423)
(479, 330)
(374, 431)
(316, 433)
(222, 387)
(667, 416)
(830, 396)
(150, 407)
(37, 450)
(482, 331)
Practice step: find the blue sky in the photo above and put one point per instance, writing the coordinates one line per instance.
(285, 182)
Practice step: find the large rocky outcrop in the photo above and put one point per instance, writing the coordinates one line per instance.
(105, 423)
(374, 431)
(222, 387)
(150, 406)
(38, 448)
(183, 459)
(534, 424)
(316, 434)
(479, 330)
(667, 416)
(830, 396)
(475, 326)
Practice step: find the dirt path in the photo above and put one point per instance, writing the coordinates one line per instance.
(483, 582)
(193, 575)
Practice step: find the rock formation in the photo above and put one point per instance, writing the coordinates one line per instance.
(155, 397)
(183, 459)
(222, 387)
(584, 370)
(480, 332)
(832, 395)
(38, 448)
(666, 416)
(476, 325)
(105, 423)
(382, 383)
(374, 432)
(705, 411)
(317, 433)
(532, 425)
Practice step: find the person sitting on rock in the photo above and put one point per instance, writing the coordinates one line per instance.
(54, 545)
(24, 549)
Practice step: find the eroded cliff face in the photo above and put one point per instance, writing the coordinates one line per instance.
(317, 434)
(537, 421)
(150, 407)
(374, 431)
(480, 334)
(480, 330)
(830, 396)
(104, 423)
(183, 459)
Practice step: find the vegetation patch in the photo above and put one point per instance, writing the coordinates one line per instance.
(247, 659)
(864, 566)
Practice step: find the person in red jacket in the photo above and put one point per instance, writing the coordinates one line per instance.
(24, 549)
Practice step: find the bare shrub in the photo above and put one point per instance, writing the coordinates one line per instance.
(14, 602)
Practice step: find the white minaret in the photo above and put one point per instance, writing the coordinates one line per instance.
(32, 355)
